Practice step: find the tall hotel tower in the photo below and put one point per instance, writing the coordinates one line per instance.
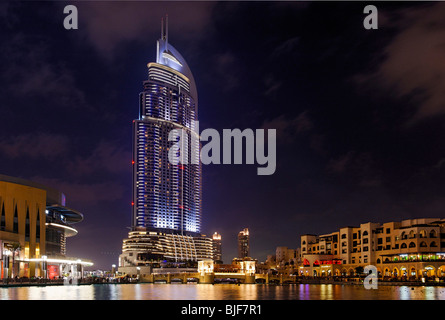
(166, 205)
(166, 196)
(243, 244)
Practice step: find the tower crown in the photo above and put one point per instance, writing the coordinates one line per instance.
(168, 56)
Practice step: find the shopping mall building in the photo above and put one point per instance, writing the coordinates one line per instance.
(34, 225)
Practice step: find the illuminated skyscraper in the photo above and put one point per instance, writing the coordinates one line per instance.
(166, 205)
(166, 196)
(243, 244)
(217, 247)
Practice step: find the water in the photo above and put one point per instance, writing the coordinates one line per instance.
(146, 291)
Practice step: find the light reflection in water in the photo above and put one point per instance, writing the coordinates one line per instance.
(430, 294)
(48, 293)
(405, 293)
(304, 292)
(220, 292)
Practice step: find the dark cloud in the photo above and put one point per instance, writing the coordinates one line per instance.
(340, 164)
(29, 70)
(108, 157)
(413, 66)
(83, 195)
(35, 145)
(222, 63)
(288, 128)
(360, 168)
(109, 24)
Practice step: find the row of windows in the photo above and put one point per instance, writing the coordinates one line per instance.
(168, 77)
(15, 226)
(412, 234)
(176, 109)
(423, 244)
(403, 236)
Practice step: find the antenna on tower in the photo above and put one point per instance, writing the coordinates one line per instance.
(162, 28)
(166, 31)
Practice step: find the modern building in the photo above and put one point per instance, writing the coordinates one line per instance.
(413, 248)
(286, 255)
(282, 254)
(166, 195)
(243, 244)
(153, 249)
(217, 248)
(34, 225)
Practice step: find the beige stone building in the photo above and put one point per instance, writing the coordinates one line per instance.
(285, 255)
(413, 248)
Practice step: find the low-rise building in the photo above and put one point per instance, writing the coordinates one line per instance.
(413, 248)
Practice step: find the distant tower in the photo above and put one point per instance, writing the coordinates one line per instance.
(217, 251)
(243, 244)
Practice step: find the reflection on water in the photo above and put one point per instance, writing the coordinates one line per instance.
(48, 293)
(221, 292)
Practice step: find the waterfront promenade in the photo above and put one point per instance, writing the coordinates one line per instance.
(188, 278)
(22, 282)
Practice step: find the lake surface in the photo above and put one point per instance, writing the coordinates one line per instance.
(147, 291)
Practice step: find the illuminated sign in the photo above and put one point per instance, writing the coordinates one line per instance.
(53, 272)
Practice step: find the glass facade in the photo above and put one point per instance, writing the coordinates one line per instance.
(165, 195)
(142, 247)
(166, 204)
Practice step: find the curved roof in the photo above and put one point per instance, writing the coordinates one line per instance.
(72, 216)
(168, 56)
(69, 231)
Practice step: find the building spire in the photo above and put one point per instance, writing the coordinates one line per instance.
(162, 28)
(166, 32)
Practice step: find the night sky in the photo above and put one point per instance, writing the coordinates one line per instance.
(359, 114)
